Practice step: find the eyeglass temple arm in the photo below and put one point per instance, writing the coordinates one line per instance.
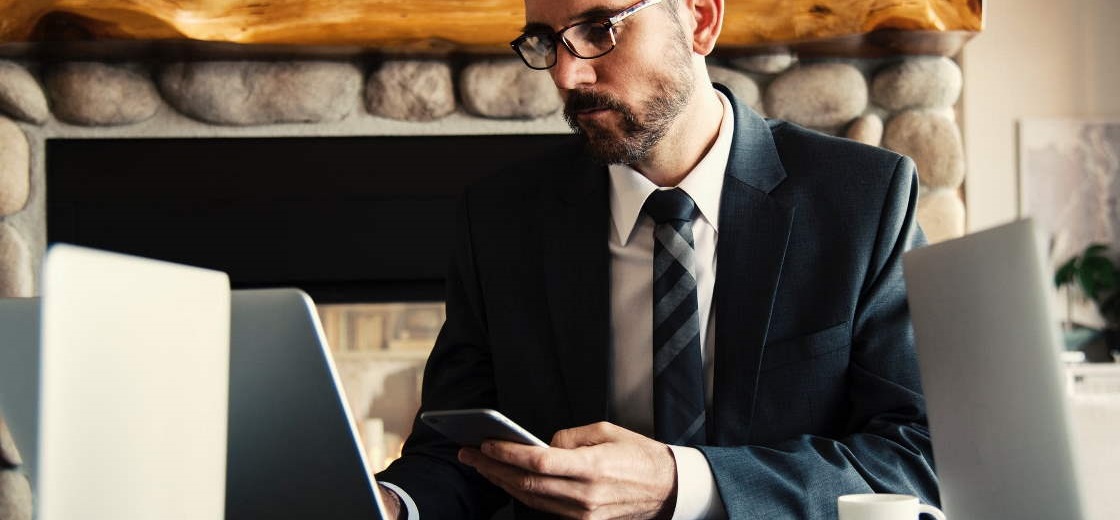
(614, 20)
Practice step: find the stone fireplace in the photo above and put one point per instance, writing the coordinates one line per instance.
(905, 103)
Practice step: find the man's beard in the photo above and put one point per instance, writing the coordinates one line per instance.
(637, 134)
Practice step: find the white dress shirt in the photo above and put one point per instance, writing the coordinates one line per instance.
(631, 246)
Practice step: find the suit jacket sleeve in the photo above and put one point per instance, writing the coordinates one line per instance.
(457, 375)
(885, 447)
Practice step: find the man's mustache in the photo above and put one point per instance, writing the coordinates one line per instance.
(580, 100)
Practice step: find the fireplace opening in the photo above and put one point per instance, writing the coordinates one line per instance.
(347, 219)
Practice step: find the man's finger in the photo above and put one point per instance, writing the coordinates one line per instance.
(589, 435)
(498, 472)
(544, 461)
(566, 497)
(523, 483)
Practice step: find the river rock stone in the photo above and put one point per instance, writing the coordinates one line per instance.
(15, 168)
(243, 93)
(507, 89)
(917, 83)
(408, 90)
(819, 95)
(867, 129)
(99, 94)
(941, 214)
(764, 63)
(15, 265)
(20, 95)
(15, 496)
(9, 454)
(740, 84)
(933, 141)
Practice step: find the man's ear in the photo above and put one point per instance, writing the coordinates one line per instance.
(707, 19)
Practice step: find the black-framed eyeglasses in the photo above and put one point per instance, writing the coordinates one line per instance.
(585, 40)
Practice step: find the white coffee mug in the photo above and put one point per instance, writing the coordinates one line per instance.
(884, 507)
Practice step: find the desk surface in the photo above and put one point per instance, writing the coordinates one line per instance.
(1094, 397)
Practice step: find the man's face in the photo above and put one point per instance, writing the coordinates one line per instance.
(626, 101)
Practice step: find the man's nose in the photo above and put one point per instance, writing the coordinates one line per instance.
(571, 72)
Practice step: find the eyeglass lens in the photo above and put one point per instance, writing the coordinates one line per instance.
(538, 50)
(589, 40)
(585, 40)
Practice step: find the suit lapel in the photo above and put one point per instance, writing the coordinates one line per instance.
(753, 235)
(577, 278)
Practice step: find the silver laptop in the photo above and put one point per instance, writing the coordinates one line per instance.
(133, 388)
(988, 348)
(292, 451)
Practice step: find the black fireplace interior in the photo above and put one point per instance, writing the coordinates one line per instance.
(347, 219)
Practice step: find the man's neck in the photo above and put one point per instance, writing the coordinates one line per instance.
(686, 143)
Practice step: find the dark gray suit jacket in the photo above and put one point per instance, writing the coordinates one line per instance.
(816, 390)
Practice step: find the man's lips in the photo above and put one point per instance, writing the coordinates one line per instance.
(588, 112)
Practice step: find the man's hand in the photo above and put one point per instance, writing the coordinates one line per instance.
(595, 471)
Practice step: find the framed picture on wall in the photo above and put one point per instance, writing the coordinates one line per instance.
(1069, 182)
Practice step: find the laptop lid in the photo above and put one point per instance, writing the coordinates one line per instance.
(133, 402)
(988, 349)
(294, 451)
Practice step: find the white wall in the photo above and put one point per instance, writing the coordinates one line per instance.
(1035, 58)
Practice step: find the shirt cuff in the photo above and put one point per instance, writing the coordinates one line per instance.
(697, 496)
(406, 500)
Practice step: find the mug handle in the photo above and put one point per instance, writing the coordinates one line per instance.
(930, 510)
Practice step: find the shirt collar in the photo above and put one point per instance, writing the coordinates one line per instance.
(630, 189)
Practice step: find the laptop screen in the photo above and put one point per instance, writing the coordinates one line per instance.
(988, 349)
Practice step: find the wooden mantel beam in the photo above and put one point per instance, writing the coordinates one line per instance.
(457, 23)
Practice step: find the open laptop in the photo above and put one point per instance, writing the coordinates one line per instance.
(988, 347)
(294, 451)
(292, 447)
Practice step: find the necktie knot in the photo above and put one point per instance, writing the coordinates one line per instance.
(668, 205)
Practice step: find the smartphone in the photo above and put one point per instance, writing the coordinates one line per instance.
(472, 426)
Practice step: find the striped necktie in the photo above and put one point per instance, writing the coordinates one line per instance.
(678, 372)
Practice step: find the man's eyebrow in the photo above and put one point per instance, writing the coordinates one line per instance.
(594, 13)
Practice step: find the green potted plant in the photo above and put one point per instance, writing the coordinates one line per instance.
(1096, 276)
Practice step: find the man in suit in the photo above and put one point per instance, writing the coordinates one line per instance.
(788, 378)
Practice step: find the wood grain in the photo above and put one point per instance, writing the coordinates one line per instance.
(468, 23)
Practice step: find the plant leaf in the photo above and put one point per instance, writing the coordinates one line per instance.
(1097, 275)
(1065, 273)
(1094, 250)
